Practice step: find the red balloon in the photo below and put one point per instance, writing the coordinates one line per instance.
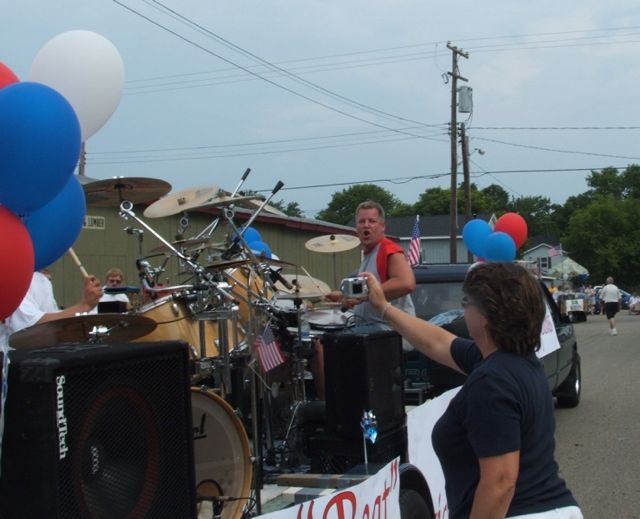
(7, 77)
(16, 262)
(515, 226)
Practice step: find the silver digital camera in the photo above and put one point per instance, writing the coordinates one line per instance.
(354, 287)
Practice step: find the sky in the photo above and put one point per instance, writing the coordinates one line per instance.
(354, 91)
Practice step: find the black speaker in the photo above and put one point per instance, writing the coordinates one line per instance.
(363, 372)
(329, 454)
(99, 431)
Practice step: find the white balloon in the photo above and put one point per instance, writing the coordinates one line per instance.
(87, 69)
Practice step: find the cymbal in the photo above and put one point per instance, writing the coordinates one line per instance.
(123, 328)
(191, 244)
(243, 201)
(111, 192)
(197, 198)
(239, 262)
(332, 243)
(308, 287)
(181, 201)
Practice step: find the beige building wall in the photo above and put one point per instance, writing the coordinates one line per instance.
(103, 243)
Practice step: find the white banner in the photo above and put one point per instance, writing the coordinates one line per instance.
(420, 423)
(375, 498)
(548, 336)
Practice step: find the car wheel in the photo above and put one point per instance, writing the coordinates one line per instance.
(412, 506)
(568, 394)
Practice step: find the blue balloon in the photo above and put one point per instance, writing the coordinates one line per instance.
(39, 145)
(475, 234)
(260, 247)
(251, 234)
(500, 247)
(56, 226)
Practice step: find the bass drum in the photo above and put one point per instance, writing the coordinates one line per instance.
(221, 452)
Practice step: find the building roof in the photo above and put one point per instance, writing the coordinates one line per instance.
(431, 226)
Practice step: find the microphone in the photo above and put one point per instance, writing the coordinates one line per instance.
(133, 230)
(274, 275)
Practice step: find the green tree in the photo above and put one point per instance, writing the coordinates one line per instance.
(434, 200)
(604, 236)
(288, 208)
(606, 182)
(538, 211)
(496, 197)
(342, 207)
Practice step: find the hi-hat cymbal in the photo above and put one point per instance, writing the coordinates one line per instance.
(181, 201)
(111, 192)
(191, 244)
(121, 328)
(332, 243)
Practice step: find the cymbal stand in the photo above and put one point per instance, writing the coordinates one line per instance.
(211, 228)
(126, 211)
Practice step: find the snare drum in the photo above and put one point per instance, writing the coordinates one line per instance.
(176, 322)
(221, 451)
(328, 319)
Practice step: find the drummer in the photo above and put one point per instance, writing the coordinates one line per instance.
(387, 261)
(39, 305)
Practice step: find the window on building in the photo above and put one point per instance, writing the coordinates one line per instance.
(545, 263)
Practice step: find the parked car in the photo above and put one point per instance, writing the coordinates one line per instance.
(437, 299)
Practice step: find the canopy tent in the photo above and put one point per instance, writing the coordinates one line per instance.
(569, 268)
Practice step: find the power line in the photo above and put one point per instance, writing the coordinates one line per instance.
(278, 85)
(248, 154)
(284, 72)
(439, 175)
(556, 128)
(555, 150)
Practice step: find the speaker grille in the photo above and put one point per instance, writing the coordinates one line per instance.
(128, 435)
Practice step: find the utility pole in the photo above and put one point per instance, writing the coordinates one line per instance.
(83, 160)
(453, 130)
(464, 143)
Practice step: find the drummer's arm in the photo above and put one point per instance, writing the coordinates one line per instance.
(401, 280)
(91, 294)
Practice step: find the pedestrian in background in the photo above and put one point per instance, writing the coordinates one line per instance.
(610, 298)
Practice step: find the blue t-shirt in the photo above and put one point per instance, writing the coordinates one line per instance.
(505, 405)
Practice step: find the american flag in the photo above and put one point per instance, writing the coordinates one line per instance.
(268, 350)
(415, 249)
(555, 251)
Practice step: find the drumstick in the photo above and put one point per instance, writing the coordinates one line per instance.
(77, 261)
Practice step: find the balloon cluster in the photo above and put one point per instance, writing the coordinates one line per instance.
(255, 243)
(498, 244)
(75, 84)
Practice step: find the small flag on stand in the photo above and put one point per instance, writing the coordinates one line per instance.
(415, 249)
(269, 353)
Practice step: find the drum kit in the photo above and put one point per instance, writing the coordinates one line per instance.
(220, 309)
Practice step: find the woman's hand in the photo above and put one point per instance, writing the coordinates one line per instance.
(376, 295)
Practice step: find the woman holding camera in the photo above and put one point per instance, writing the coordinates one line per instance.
(496, 439)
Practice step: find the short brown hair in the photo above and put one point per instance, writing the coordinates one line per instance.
(512, 301)
(115, 271)
(370, 204)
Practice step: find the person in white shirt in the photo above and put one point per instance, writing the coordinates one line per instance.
(610, 298)
(39, 305)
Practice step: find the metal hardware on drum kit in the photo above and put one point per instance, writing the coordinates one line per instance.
(229, 296)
